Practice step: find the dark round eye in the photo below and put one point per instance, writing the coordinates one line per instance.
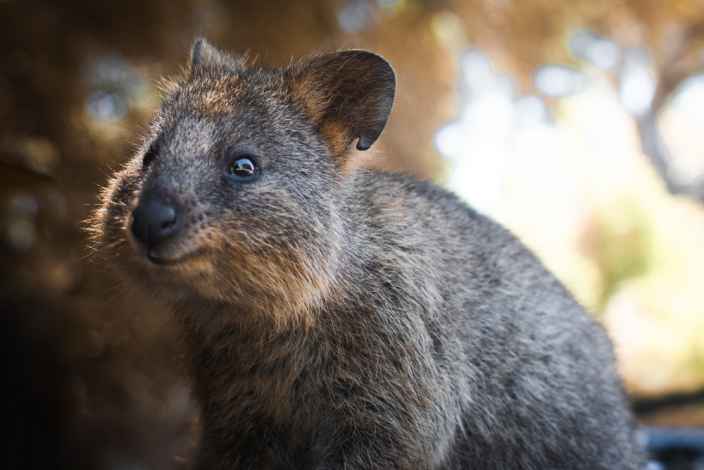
(149, 156)
(243, 168)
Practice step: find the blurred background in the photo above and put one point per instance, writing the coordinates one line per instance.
(579, 125)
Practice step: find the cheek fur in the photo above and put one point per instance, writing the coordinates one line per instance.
(273, 257)
(107, 225)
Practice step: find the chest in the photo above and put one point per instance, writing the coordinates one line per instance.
(266, 422)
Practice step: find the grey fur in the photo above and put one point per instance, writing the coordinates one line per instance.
(354, 319)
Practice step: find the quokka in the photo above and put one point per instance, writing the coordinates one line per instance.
(344, 318)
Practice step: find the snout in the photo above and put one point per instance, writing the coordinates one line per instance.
(155, 221)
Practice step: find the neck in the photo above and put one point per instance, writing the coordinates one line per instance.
(243, 370)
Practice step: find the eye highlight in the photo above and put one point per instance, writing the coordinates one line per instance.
(243, 168)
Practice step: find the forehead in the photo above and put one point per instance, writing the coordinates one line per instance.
(188, 134)
(208, 107)
(211, 95)
(223, 93)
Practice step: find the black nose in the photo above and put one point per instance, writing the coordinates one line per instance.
(154, 220)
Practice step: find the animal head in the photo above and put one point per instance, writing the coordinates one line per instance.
(234, 195)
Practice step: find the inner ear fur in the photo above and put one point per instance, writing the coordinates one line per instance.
(348, 95)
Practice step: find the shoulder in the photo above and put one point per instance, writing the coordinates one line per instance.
(375, 187)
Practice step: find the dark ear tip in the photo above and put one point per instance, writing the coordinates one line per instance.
(197, 50)
(363, 143)
(367, 139)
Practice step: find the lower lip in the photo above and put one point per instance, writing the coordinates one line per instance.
(155, 259)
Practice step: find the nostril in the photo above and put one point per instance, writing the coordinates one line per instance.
(168, 218)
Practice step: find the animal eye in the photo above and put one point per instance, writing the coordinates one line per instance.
(149, 156)
(243, 168)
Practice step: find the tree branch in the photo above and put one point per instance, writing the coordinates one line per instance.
(673, 72)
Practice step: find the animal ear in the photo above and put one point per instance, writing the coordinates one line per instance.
(348, 95)
(206, 56)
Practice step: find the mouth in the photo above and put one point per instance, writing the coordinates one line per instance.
(156, 257)
(166, 254)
